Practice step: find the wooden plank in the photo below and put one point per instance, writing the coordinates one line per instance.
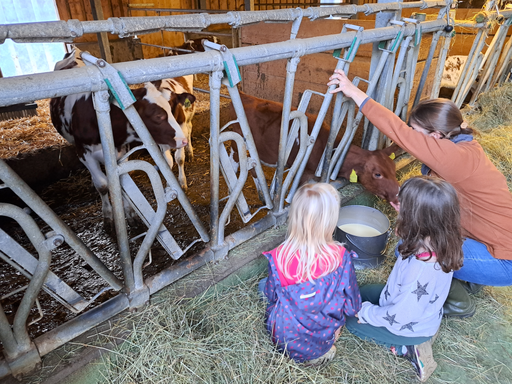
(117, 8)
(87, 9)
(63, 9)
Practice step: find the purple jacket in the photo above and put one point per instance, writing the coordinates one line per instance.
(302, 318)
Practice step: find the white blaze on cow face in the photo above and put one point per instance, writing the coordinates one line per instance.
(156, 97)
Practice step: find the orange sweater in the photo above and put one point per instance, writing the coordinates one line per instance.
(485, 201)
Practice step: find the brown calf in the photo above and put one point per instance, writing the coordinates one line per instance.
(375, 170)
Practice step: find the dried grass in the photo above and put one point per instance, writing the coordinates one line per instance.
(28, 134)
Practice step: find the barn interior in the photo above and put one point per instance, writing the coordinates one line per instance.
(218, 230)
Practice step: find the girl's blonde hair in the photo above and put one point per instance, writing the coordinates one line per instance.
(311, 222)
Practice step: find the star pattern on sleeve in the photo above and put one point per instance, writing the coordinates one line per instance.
(434, 300)
(390, 319)
(440, 312)
(409, 326)
(421, 290)
(386, 293)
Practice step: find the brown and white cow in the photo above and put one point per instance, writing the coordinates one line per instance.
(180, 91)
(192, 46)
(75, 119)
(375, 169)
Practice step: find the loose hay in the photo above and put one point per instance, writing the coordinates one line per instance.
(29, 133)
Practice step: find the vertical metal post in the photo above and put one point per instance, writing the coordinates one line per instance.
(291, 69)
(440, 66)
(97, 14)
(424, 75)
(215, 83)
(102, 107)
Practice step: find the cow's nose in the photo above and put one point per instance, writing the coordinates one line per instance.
(180, 143)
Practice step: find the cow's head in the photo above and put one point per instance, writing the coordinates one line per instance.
(71, 59)
(375, 170)
(155, 110)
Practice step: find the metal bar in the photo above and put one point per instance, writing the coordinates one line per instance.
(215, 84)
(237, 188)
(476, 47)
(503, 64)
(440, 66)
(291, 69)
(424, 75)
(14, 90)
(36, 204)
(102, 106)
(67, 31)
(29, 226)
(158, 219)
(300, 154)
(177, 10)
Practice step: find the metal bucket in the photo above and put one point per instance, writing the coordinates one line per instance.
(368, 248)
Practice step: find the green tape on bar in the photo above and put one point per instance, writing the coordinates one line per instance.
(336, 53)
(228, 74)
(114, 93)
(237, 68)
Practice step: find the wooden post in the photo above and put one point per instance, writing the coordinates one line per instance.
(97, 13)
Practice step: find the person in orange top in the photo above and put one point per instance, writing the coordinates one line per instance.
(443, 142)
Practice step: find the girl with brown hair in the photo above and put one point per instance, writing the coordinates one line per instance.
(406, 313)
(442, 141)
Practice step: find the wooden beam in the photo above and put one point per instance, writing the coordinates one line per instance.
(97, 13)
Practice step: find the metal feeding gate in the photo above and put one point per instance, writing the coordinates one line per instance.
(399, 35)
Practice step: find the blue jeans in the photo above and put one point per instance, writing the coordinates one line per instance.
(480, 267)
(379, 335)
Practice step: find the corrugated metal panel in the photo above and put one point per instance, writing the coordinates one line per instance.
(21, 59)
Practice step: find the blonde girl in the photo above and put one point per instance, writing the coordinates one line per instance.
(312, 283)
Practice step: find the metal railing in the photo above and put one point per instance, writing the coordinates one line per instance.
(23, 354)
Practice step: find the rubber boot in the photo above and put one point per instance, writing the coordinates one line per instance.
(473, 288)
(459, 303)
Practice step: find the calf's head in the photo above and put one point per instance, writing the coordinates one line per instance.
(154, 109)
(375, 170)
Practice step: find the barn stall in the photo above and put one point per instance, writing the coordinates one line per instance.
(306, 62)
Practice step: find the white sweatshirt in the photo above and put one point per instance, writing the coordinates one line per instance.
(411, 303)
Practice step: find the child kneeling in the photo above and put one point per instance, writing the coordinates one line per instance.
(311, 284)
(406, 313)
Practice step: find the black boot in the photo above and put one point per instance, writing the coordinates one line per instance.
(459, 303)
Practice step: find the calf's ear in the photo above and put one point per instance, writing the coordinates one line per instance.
(393, 151)
(185, 99)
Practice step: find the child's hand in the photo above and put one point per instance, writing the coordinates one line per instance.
(358, 318)
(345, 85)
(396, 206)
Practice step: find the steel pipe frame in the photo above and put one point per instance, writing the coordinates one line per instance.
(440, 66)
(67, 31)
(231, 241)
(16, 342)
(38, 206)
(491, 57)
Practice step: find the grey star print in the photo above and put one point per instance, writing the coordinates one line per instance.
(409, 326)
(435, 299)
(421, 290)
(386, 293)
(390, 319)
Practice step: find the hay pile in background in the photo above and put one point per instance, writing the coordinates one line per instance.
(28, 134)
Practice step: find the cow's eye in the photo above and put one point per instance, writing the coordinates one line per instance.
(377, 175)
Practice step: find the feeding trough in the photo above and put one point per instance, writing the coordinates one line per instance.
(365, 231)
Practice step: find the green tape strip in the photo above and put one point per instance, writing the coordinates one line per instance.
(126, 85)
(114, 93)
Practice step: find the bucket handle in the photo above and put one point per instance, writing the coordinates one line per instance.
(349, 238)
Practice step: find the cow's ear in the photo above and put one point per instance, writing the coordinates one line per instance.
(393, 151)
(157, 84)
(186, 99)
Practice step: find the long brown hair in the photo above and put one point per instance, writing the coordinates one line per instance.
(439, 115)
(429, 218)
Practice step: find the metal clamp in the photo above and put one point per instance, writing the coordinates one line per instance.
(115, 81)
(417, 29)
(350, 53)
(395, 43)
(230, 65)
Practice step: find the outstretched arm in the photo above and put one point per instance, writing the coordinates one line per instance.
(345, 85)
